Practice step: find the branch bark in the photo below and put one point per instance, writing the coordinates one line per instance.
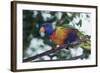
(45, 53)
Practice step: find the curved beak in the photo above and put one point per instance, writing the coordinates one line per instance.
(42, 29)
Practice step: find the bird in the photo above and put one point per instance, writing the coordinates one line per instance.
(60, 35)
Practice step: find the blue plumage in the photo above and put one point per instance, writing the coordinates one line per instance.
(71, 37)
(48, 28)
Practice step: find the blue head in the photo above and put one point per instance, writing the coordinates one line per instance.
(48, 28)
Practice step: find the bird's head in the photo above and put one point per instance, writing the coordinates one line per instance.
(47, 29)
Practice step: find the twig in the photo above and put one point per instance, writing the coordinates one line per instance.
(45, 53)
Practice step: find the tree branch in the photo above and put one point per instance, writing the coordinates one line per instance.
(45, 53)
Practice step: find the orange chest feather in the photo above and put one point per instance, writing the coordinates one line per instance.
(60, 35)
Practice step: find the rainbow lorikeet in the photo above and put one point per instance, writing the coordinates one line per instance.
(60, 35)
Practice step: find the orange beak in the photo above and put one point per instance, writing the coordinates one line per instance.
(42, 29)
